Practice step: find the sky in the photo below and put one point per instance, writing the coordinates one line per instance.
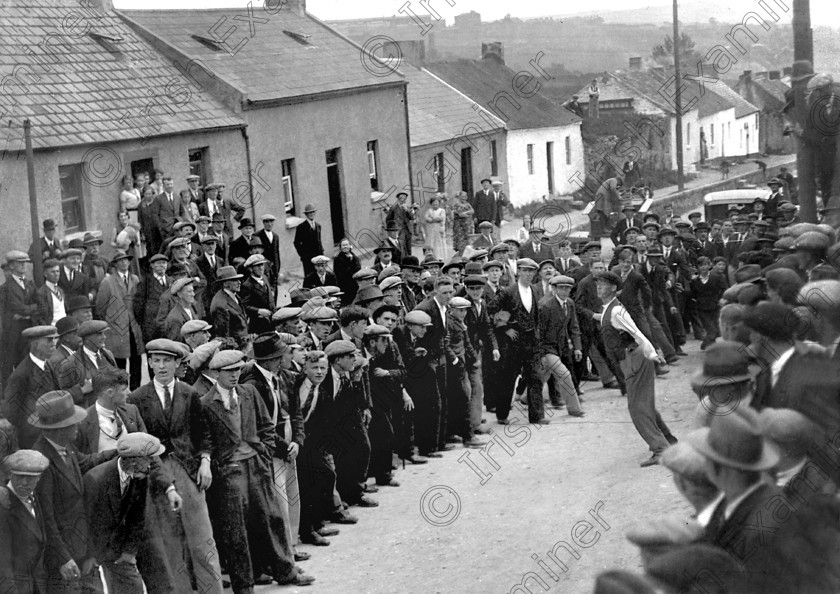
(823, 12)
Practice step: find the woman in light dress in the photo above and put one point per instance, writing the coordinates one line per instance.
(130, 198)
(523, 234)
(127, 238)
(435, 219)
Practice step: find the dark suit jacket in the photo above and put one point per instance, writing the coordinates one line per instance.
(44, 252)
(169, 214)
(229, 318)
(319, 426)
(146, 304)
(184, 433)
(22, 546)
(44, 298)
(61, 493)
(677, 264)
(81, 286)
(227, 207)
(74, 370)
(271, 251)
(480, 328)
(544, 253)
(635, 293)
(26, 384)
(176, 318)
(255, 427)
(209, 273)
(485, 206)
(312, 280)
(116, 520)
(574, 265)
(436, 339)
(415, 365)
(521, 319)
(656, 279)
(728, 250)
(18, 306)
(239, 248)
(557, 328)
(308, 241)
(290, 401)
(619, 232)
(87, 436)
(254, 297)
(709, 249)
(587, 303)
(707, 295)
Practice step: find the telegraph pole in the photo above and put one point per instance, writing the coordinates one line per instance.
(677, 98)
(803, 49)
(37, 265)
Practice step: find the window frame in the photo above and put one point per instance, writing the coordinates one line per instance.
(287, 181)
(529, 156)
(79, 199)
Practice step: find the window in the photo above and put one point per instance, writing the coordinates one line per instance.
(549, 158)
(466, 171)
(72, 207)
(688, 135)
(568, 150)
(288, 168)
(494, 159)
(198, 164)
(728, 130)
(712, 134)
(530, 152)
(373, 164)
(440, 172)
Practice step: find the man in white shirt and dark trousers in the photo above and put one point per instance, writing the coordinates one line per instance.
(636, 355)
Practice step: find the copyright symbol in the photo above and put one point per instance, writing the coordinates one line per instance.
(723, 399)
(440, 505)
(381, 55)
(102, 166)
(825, 117)
(555, 221)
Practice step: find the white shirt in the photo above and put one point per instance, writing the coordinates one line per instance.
(442, 309)
(336, 381)
(124, 478)
(526, 295)
(109, 431)
(621, 320)
(90, 355)
(704, 516)
(303, 394)
(731, 507)
(270, 378)
(776, 367)
(57, 297)
(226, 395)
(38, 362)
(159, 391)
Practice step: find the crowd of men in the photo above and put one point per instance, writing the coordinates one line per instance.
(262, 426)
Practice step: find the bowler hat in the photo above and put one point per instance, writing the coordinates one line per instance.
(735, 441)
(383, 247)
(410, 263)
(78, 302)
(227, 273)
(91, 238)
(268, 347)
(309, 208)
(724, 363)
(48, 224)
(66, 325)
(54, 410)
(485, 179)
(246, 222)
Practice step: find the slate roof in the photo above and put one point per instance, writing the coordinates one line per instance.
(730, 96)
(483, 80)
(649, 84)
(437, 112)
(76, 91)
(611, 90)
(271, 64)
(774, 88)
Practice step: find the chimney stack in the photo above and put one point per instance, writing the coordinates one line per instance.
(775, 75)
(493, 50)
(787, 71)
(636, 63)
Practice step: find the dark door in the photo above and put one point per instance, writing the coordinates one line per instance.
(466, 171)
(549, 157)
(336, 194)
(143, 166)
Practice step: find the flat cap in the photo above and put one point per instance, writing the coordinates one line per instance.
(369, 293)
(139, 445)
(179, 242)
(18, 256)
(459, 303)
(286, 313)
(320, 260)
(547, 261)
(387, 272)
(418, 317)
(609, 277)
(485, 225)
(26, 462)
(255, 259)
(477, 255)
(475, 280)
(787, 207)
(202, 354)
(326, 291)
(455, 262)
(158, 258)
(192, 177)
(365, 273)
(684, 460)
(66, 325)
(227, 360)
(377, 330)
(666, 231)
(748, 273)
(390, 283)
(320, 314)
(472, 268)
(180, 284)
(526, 263)
(499, 247)
(65, 254)
(812, 241)
(562, 279)
(785, 425)
(773, 320)
(488, 265)
(340, 347)
(164, 346)
(92, 327)
(193, 326)
(181, 224)
(268, 217)
(785, 244)
(682, 224)
(203, 219)
(649, 225)
(41, 332)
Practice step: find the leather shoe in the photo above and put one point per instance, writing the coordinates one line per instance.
(672, 359)
(454, 439)
(429, 455)
(448, 447)
(366, 502)
(680, 353)
(389, 483)
(660, 371)
(474, 443)
(327, 531)
(579, 413)
(301, 556)
(652, 461)
(314, 538)
(295, 578)
(263, 580)
(343, 518)
(671, 439)
(370, 488)
(556, 406)
(503, 422)
(613, 385)
(414, 460)
(542, 422)
(589, 377)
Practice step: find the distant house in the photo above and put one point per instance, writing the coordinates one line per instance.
(767, 91)
(454, 141)
(543, 147)
(731, 121)
(102, 104)
(324, 126)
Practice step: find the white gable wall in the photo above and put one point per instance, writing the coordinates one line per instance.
(529, 185)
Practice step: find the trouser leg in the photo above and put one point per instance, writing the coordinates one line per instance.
(230, 506)
(424, 392)
(443, 413)
(476, 380)
(641, 402)
(458, 399)
(123, 578)
(530, 373)
(553, 366)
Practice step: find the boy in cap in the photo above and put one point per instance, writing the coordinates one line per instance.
(67, 559)
(461, 362)
(257, 295)
(247, 518)
(31, 378)
(22, 534)
(271, 245)
(320, 275)
(483, 339)
(115, 503)
(307, 240)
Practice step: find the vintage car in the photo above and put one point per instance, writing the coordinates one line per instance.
(716, 204)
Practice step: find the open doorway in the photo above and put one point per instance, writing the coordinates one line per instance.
(336, 192)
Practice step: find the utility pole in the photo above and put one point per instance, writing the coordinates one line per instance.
(37, 265)
(803, 49)
(677, 98)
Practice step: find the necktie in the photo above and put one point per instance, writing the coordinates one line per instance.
(72, 275)
(234, 401)
(125, 281)
(161, 280)
(118, 422)
(98, 359)
(124, 485)
(307, 406)
(167, 400)
(212, 261)
(57, 294)
(563, 305)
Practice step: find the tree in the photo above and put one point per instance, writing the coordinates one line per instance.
(664, 52)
